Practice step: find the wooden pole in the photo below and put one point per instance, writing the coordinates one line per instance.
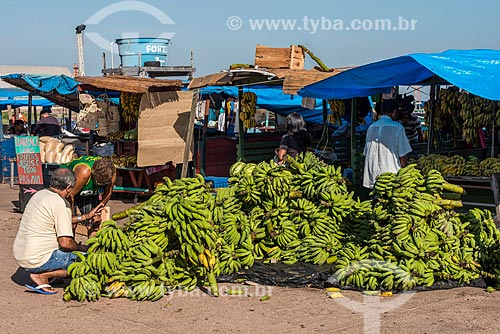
(432, 105)
(354, 116)
(68, 121)
(324, 137)
(206, 112)
(9, 111)
(241, 130)
(189, 136)
(30, 105)
(493, 136)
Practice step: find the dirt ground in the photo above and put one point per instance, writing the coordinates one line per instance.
(289, 310)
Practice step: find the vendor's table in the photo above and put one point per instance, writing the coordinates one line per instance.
(138, 177)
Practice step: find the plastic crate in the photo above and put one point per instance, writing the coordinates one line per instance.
(7, 152)
(217, 181)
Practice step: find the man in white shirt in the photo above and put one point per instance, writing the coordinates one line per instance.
(386, 146)
(45, 240)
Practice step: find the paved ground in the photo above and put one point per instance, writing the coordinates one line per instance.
(463, 310)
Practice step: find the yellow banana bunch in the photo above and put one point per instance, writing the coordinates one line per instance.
(248, 109)
(124, 160)
(337, 110)
(464, 111)
(117, 135)
(458, 166)
(130, 103)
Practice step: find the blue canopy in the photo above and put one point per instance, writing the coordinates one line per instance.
(476, 71)
(16, 103)
(60, 89)
(62, 84)
(12, 92)
(272, 98)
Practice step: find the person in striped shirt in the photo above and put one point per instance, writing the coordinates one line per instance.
(413, 128)
(410, 121)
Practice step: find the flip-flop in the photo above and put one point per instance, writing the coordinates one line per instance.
(39, 289)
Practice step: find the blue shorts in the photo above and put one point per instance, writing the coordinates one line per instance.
(58, 260)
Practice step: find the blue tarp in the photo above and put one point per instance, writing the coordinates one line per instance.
(272, 98)
(62, 84)
(16, 103)
(12, 92)
(476, 71)
(16, 98)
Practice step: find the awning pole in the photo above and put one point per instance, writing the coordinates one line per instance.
(241, 130)
(432, 104)
(206, 112)
(189, 136)
(493, 136)
(324, 137)
(30, 103)
(354, 117)
(68, 121)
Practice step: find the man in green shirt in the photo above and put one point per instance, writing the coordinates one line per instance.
(95, 179)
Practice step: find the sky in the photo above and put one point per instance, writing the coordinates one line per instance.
(222, 32)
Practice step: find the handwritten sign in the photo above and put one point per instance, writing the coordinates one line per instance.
(27, 144)
(29, 163)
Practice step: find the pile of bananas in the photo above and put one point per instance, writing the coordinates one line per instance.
(291, 214)
(169, 242)
(457, 165)
(465, 112)
(124, 160)
(416, 237)
(337, 109)
(117, 135)
(408, 235)
(130, 103)
(248, 109)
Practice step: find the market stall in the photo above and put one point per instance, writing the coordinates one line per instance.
(475, 72)
(269, 86)
(36, 91)
(144, 134)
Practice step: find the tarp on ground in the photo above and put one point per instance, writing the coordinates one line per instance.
(272, 98)
(476, 71)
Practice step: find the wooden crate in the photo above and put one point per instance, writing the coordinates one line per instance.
(289, 58)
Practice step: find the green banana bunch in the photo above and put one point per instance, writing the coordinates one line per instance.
(83, 288)
(109, 238)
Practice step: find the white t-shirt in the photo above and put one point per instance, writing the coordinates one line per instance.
(46, 217)
(386, 142)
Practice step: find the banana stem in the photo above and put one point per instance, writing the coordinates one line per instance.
(316, 59)
(125, 213)
(214, 287)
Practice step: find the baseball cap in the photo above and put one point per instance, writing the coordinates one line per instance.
(45, 110)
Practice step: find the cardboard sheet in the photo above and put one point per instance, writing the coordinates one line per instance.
(162, 127)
